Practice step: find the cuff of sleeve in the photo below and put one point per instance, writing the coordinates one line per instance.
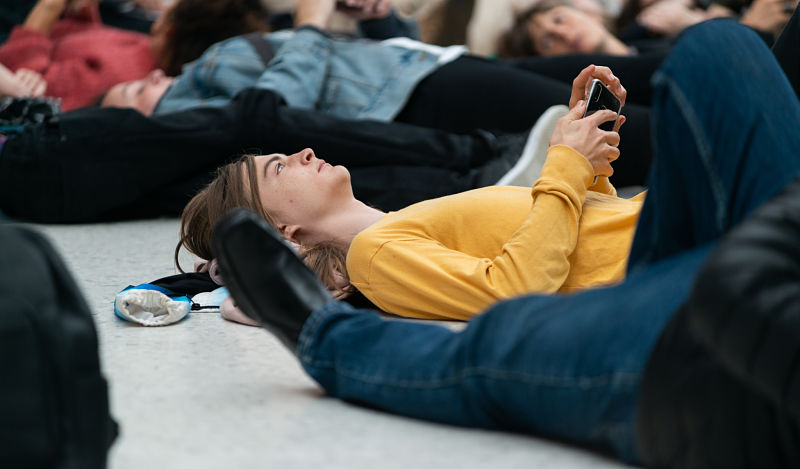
(565, 163)
(312, 28)
(21, 32)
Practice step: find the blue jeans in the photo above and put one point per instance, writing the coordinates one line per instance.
(570, 367)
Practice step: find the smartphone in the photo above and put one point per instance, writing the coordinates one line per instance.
(601, 98)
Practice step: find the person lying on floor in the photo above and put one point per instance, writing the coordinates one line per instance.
(98, 164)
(616, 369)
(396, 80)
(81, 58)
(446, 258)
(77, 56)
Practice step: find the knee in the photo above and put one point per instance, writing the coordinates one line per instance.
(715, 41)
(753, 274)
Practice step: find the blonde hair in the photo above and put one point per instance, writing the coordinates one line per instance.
(229, 191)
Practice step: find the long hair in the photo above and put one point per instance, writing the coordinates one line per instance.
(197, 24)
(236, 186)
(517, 41)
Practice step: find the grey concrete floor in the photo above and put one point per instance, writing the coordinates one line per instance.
(206, 393)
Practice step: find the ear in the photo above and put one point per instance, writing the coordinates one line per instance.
(289, 232)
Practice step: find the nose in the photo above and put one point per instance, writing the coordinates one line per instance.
(155, 76)
(305, 156)
(561, 31)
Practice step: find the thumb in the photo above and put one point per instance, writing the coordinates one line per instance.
(577, 111)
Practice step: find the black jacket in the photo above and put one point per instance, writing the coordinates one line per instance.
(722, 387)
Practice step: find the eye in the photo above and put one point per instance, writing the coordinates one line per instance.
(558, 19)
(279, 167)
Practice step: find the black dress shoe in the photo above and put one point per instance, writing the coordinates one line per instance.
(269, 282)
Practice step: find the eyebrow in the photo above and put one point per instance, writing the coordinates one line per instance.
(271, 160)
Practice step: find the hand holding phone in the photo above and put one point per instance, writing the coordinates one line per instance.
(601, 98)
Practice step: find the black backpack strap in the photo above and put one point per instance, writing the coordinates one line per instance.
(261, 46)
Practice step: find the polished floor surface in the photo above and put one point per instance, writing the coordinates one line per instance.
(206, 393)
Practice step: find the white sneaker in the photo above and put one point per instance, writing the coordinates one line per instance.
(526, 171)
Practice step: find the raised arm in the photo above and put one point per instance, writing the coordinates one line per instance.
(298, 70)
(423, 275)
(417, 275)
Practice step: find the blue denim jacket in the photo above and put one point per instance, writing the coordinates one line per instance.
(357, 79)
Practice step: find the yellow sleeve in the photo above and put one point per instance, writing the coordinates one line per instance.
(418, 277)
(604, 186)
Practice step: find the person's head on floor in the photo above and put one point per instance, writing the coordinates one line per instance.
(142, 95)
(188, 27)
(299, 195)
(557, 27)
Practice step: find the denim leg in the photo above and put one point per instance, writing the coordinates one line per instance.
(726, 139)
(563, 366)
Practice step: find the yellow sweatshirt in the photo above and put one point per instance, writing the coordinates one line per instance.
(451, 257)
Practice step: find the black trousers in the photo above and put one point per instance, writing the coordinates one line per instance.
(509, 96)
(97, 164)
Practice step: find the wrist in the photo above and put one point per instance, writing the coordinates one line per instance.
(314, 16)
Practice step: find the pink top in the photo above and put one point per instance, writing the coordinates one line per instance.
(80, 59)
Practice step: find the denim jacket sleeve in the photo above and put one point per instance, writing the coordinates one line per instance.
(299, 69)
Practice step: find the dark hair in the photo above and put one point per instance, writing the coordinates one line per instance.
(517, 41)
(97, 101)
(236, 185)
(197, 24)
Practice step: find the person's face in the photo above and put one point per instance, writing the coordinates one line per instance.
(299, 190)
(565, 30)
(142, 95)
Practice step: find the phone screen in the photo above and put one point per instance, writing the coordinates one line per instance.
(601, 98)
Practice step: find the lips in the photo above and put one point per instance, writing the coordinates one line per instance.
(321, 165)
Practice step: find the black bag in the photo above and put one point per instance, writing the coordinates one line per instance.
(54, 408)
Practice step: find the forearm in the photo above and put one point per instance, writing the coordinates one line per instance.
(298, 70)
(44, 15)
(536, 257)
(315, 13)
(424, 277)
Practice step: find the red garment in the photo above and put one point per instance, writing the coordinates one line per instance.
(80, 59)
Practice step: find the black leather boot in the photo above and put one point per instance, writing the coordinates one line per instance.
(746, 302)
(269, 282)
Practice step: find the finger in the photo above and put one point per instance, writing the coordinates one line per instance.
(612, 138)
(604, 169)
(612, 82)
(576, 112)
(40, 89)
(612, 153)
(601, 116)
(620, 120)
(579, 85)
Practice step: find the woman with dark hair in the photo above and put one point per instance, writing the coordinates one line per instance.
(560, 27)
(189, 27)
